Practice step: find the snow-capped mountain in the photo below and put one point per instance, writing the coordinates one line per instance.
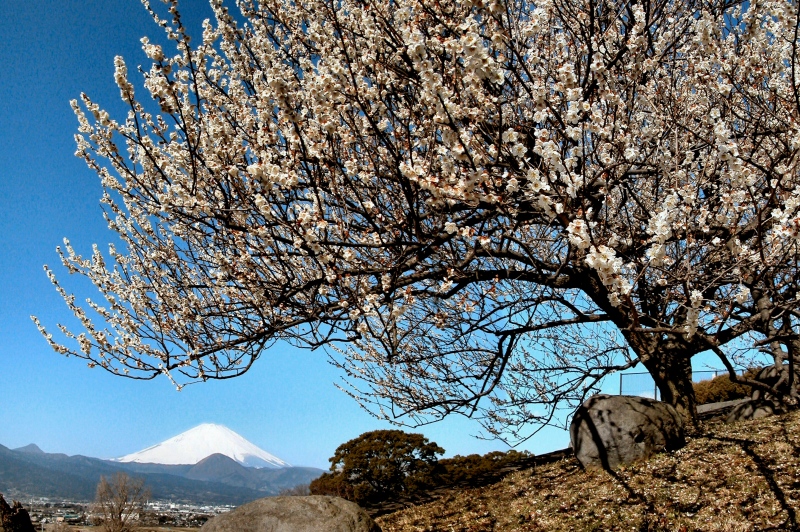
(202, 441)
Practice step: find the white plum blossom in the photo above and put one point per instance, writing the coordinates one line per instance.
(609, 268)
(578, 234)
(742, 295)
(695, 298)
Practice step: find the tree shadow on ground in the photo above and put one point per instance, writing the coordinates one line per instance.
(766, 468)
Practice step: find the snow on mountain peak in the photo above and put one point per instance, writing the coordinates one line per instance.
(202, 441)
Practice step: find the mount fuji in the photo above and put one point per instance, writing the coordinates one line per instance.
(202, 441)
(209, 464)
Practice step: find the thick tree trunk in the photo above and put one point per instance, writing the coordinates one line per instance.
(668, 357)
(673, 376)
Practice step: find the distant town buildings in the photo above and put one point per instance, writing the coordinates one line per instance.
(47, 514)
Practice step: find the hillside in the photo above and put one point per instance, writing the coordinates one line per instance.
(728, 478)
(19, 476)
(24, 474)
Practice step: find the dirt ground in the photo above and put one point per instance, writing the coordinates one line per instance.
(84, 528)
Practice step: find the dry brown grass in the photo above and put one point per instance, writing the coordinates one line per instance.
(84, 528)
(731, 478)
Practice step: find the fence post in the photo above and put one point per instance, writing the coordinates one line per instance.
(620, 383)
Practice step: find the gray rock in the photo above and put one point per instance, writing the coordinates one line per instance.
(315, 513)
(753, 409)
(612, 430)
(769, 375)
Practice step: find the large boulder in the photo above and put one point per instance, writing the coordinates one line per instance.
(612, 430)
(14, 518)
(769, 375)
(754, 409)
(315, 513)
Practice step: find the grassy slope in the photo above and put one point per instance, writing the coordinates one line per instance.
(737, 477)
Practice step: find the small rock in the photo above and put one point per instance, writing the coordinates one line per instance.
(612, 430)
(314, 513)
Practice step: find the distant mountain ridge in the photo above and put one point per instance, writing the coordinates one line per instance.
(214, 479)
(217, 466)
(30, 448)
(220, 468)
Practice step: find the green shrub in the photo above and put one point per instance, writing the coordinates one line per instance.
(721, 388)
(384, 464)
(468, 469)
(380, 465)
(333, 484)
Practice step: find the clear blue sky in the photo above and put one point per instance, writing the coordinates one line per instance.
(53, 50)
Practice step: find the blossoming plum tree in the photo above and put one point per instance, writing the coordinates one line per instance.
(482, 206)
